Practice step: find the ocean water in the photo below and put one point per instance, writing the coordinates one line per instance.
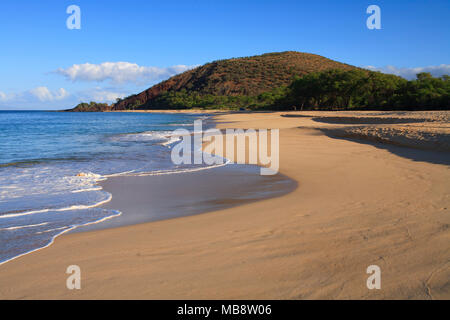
(51, 162)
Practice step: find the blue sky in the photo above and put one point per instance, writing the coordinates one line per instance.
(156, 39)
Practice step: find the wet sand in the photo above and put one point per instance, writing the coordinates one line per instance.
(152, 198)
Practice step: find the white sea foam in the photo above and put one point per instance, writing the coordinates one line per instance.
(59, 231)
(162, 172)
(87, 190)
(44, 199)
(26, 226)
(143, 136)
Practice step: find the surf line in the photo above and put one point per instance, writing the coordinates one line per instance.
(258, 153)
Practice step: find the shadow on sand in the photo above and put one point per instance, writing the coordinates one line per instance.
(431, 156)
(358, 120)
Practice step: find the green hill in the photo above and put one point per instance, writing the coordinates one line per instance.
(230, 82)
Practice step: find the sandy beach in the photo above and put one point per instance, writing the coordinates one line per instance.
(373, 189)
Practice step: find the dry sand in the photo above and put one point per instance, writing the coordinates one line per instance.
(357, 204)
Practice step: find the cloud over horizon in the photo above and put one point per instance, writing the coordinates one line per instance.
(43, 98)
(119, 72)
(42, 94)
(99, 94)
(410, 73)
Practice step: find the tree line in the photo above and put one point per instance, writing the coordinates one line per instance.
(338, 89)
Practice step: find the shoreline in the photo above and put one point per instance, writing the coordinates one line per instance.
(312, 243)
(150, 198)
(188, 111)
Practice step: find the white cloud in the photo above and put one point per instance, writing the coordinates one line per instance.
(37, 98)
(106, 96)
(119, 72)
(43, 94)
(410, 73)
(100, 95)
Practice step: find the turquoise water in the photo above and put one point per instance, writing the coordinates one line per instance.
(50, 163)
